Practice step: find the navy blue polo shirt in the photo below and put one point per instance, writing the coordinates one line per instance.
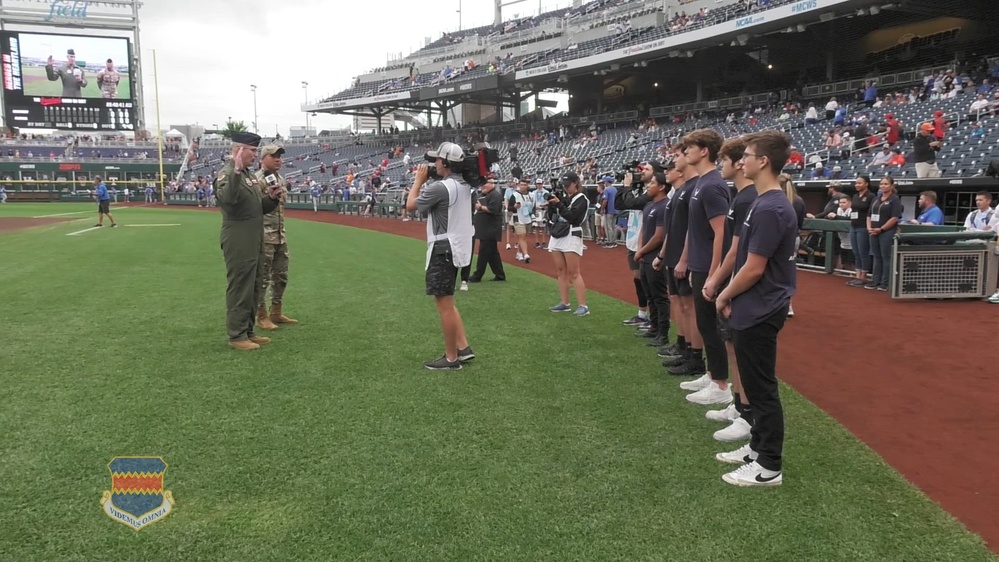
(741, 204)
(770, 230)
(653, 216)
(711, 198)
(676, 235)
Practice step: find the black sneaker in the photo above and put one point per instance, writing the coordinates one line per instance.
(871, 286)
(648, 334)
(98, 225)
(498, 279)
(114, 224)
(692, 367)
(671, 350)
(442, 364)
(674, 361)
(466, 354)
(658, 342)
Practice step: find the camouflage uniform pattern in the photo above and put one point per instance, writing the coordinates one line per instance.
(274, 253)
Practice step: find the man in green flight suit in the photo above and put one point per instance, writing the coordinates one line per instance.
(243, 204)
(274, 260)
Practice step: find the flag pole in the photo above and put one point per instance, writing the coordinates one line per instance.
(159, 129)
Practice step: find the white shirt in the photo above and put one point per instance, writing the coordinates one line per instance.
(978, 220)
(812, 113)
(832, 105)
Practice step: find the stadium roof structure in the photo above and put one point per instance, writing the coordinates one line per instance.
(552, 69)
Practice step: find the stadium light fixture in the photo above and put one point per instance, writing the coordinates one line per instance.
(305, 86)
(253, 88)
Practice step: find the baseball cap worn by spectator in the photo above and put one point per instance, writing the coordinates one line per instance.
(607, 179)
(568, 178)
(657, 166)
(926, 127)
(446, 151)
(271, 149)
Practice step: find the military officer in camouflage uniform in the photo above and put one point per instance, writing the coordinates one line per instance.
(274, 258)
(243, 205)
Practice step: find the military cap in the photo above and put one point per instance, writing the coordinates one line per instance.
(249, 139)
(71, 52)
(271, 149)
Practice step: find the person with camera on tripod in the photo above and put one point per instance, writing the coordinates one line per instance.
(447, 203)
(566, 214)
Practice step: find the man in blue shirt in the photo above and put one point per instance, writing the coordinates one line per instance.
(315, 193)
(103, 202)
(606, 205)
(931, 213)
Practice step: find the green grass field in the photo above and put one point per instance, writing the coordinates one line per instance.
(36, 83)
(564, 440)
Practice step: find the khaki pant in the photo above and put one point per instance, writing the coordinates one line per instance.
(274, 273)
(925, 170)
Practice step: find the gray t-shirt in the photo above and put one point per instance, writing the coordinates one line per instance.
(434, 201)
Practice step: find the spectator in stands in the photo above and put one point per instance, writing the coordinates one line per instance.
(977, 131)
(833, 142)
(871, 93)
(831, 108)
(796, 161)
(981, 218)
(924, 152)
(931, 214)
(819, 173)
(897, 158)
(977, 107)
(860, 235)
(940, 125)
(812, 115)
(566, 245)
(894, 127)
(837, 173)
(881, 159)
(882, 223)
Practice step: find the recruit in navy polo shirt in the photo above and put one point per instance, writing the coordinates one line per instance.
(737, 214)
(770, 230)
(652, 218)
(711, 198)
(677, 234)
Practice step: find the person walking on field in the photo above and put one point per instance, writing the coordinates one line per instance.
(103, 202)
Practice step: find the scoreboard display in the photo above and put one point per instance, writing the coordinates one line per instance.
(71, 82)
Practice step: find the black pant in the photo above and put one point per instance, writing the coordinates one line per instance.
(489, 254)
(707, 324)
(756, 355)
(654, 285)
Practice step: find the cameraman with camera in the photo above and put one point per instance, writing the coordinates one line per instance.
(632, 198)
(447, 203)
(566, 245)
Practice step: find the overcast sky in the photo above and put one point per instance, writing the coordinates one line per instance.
(209, 52)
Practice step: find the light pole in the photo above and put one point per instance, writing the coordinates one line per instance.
(253, 88)
(305, 86)
(459, 15)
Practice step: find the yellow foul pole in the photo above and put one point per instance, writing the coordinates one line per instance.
(159, 129)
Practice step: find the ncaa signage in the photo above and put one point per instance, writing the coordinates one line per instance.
(805, 6)
(747, 21)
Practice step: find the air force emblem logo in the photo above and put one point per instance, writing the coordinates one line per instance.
(137, 497)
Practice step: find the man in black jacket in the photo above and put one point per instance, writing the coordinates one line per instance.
(488, 223)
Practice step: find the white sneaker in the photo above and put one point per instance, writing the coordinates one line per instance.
(711, 394)
(507, 246)
(464, 286)
(739, 430)
(790, 311)
(697, 384)
(520, 256)
(994, 299)
(742, 455)
(753, 474)
(727, 415)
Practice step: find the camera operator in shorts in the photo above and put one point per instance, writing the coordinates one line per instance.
(540, 197)
(567, 209)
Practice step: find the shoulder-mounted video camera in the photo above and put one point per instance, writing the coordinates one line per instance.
(472, 165)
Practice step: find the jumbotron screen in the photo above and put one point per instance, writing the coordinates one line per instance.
(75, 82)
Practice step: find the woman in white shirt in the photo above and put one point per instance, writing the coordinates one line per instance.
(831, 108)
(812, 115)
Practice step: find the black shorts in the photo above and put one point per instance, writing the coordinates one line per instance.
(632, 264)
(442, 275)
(678, 287)
(104, 206)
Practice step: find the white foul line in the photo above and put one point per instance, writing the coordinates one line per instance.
(82, 231)
(61, 215)
(151, 224)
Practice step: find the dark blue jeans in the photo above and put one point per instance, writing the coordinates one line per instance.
(861, 242)
(881, 248)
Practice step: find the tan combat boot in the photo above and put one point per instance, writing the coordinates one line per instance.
(277, 317)
(243, 345)
(260, 340)
(264, 320)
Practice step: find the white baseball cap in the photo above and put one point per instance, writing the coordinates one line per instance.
(446, 151)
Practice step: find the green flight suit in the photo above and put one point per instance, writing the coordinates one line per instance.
(243, 206)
